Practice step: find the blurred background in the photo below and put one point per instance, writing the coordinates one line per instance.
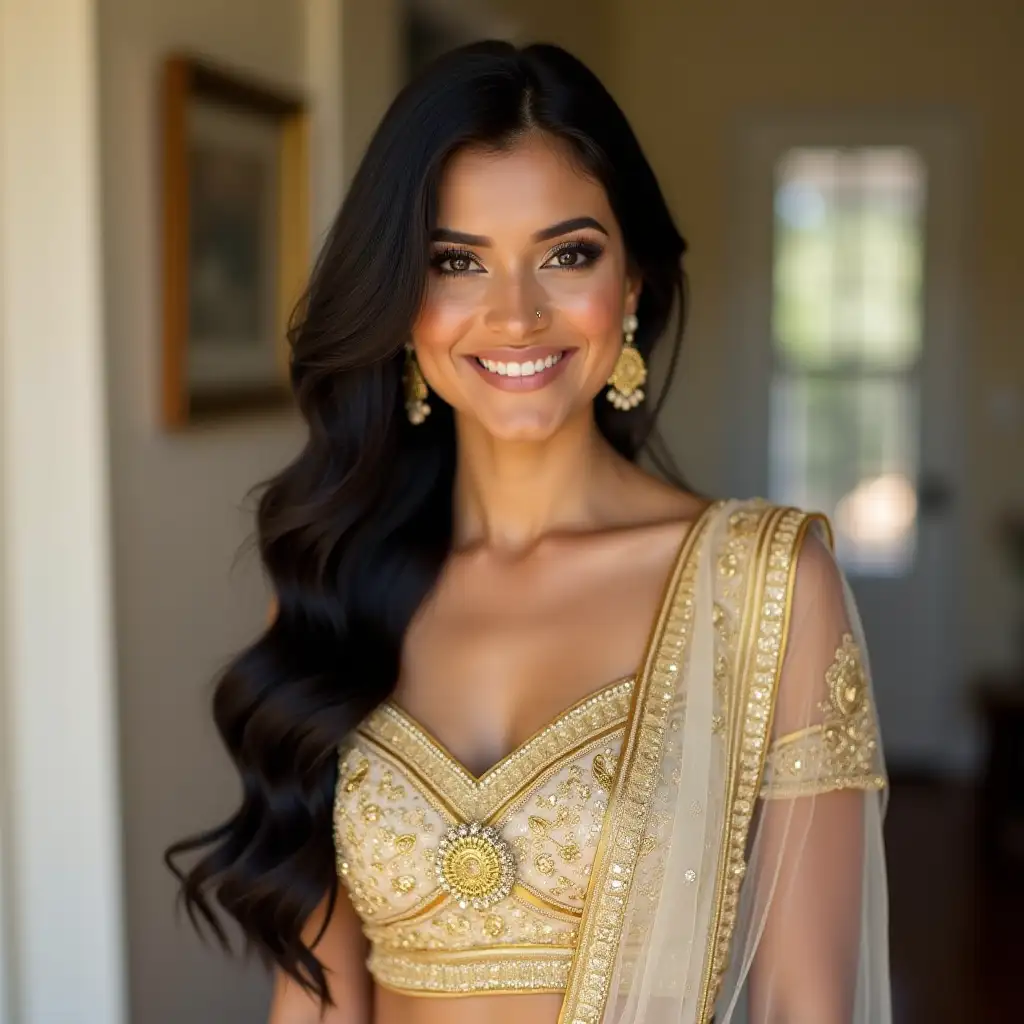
(849, 179)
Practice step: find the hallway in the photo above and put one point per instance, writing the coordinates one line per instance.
(957, 944)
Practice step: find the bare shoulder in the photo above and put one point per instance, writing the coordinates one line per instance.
(644, 534)
(818, 579)
(639, 501)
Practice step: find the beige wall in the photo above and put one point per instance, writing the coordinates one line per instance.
(371, 71)
(684, 71)
(372, 56)
(581, 26)
(181, 607)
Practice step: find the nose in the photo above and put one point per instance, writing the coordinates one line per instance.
(512, 304)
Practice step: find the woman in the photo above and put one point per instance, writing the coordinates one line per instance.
(589, 747)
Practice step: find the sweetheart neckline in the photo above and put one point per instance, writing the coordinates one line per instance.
(481, 780)
(684, 552)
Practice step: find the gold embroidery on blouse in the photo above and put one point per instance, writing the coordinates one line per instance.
(481, 972)
(387, 830)
(560, 836)
(771, 587)
(567, 887)
(841, 751)
(603, 769)
(542, 829)
(465, 797)
(475, 865)
(388, 789)
(447, 934)
(561, 911)
(520, 799)
(353, 781)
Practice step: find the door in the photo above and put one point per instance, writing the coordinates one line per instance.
(846, 327)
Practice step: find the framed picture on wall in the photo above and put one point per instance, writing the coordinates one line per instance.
(236, 239)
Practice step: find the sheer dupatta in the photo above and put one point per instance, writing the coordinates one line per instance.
(740, 876)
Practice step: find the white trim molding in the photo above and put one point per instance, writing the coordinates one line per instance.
(61, 888)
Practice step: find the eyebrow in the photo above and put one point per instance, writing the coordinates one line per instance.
(561, 228)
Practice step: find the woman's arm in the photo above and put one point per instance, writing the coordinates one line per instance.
(806, 968)
(342, 951)
(818, 862)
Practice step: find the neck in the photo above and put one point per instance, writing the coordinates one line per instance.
(510, 494)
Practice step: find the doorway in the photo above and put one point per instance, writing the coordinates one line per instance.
(846, 325)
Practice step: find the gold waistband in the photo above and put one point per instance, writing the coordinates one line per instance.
(469, 972)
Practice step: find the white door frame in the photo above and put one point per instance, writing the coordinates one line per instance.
(60, 852)
(944, 138)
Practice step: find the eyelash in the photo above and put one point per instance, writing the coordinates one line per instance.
(591, 250)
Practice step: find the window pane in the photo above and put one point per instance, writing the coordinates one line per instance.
(848, 257)
(847, 447)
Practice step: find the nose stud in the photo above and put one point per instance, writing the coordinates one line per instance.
(538, 314)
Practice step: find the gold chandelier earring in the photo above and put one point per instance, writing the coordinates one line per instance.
(415, 387)
(627, 379)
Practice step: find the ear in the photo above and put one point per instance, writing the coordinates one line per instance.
(634, 286)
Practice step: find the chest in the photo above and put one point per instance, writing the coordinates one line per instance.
(496, 653)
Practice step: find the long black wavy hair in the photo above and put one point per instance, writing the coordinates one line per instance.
(354, 532)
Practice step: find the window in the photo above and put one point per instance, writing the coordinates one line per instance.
(847, 341)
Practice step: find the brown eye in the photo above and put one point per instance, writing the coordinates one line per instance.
(574, 256)
(454, 263)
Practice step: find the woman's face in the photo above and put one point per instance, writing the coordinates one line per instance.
(522, 320)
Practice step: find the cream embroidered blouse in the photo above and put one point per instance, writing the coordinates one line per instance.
(471, 885)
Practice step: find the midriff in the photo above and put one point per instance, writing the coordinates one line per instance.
(395, 1008)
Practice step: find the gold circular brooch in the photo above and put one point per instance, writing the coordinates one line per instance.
(475, 865)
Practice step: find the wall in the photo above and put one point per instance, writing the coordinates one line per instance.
(707, 62)
(372, 60)
(60, 891)
(182, 608)
(581, 26)
(371, 71)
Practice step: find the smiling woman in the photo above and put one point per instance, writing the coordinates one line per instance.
(533, 731)
(518, 308)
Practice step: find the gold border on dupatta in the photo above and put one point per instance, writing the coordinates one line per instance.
(763, 643)
(618, 850)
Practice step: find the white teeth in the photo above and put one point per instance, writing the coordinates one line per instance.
(519, 369)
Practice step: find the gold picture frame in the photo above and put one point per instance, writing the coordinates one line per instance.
(236, 239)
